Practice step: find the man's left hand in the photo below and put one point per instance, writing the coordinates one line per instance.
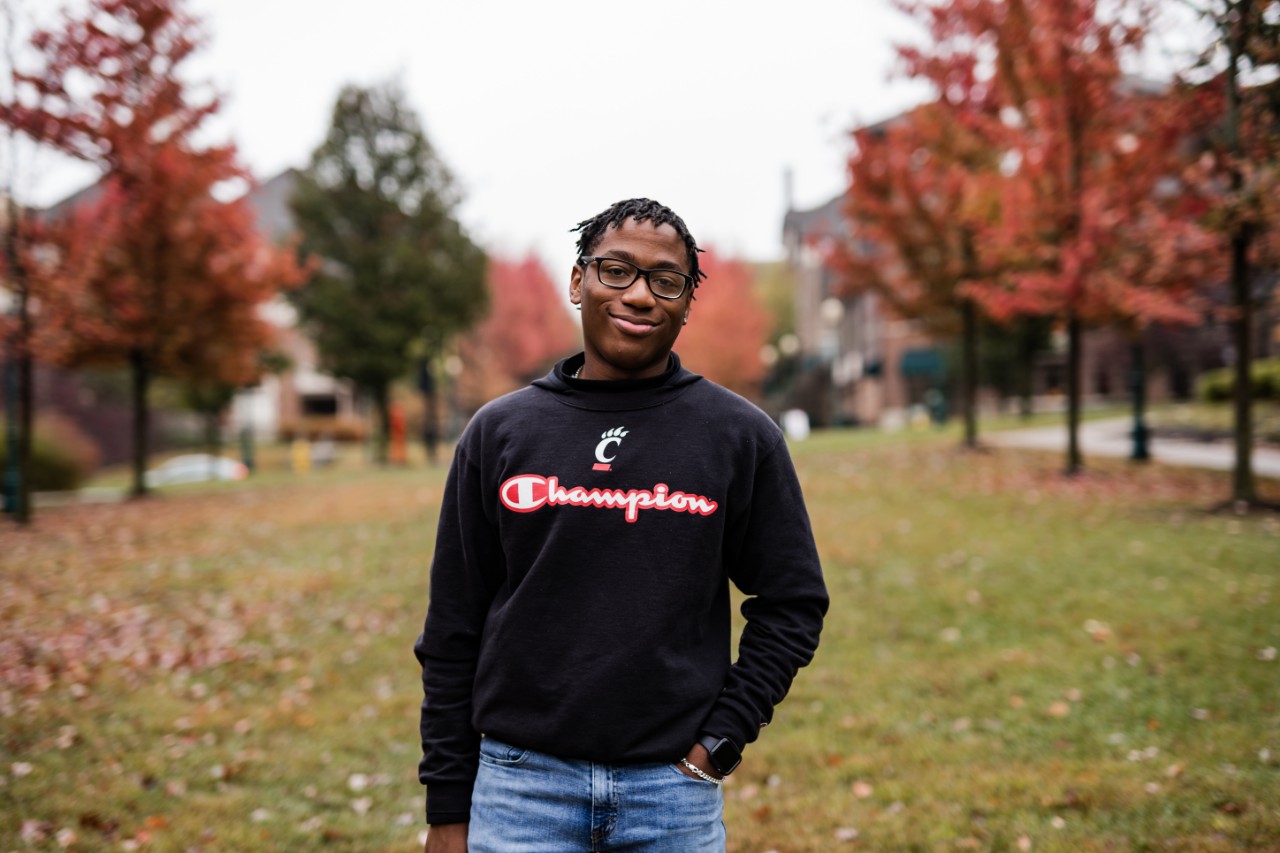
(700, 758)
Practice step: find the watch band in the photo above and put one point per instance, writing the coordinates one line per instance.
(700, 773)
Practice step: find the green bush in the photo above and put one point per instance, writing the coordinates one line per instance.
(62, 457)
(1218, 386)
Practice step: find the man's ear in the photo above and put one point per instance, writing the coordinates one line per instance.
(575, 285)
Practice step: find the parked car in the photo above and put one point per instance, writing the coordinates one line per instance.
(196, 468)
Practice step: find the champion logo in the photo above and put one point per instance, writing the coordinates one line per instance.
(609, 440)
(529, 492)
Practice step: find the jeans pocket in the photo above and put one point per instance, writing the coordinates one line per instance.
(500, 754)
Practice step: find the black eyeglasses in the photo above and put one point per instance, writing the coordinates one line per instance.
(668, 284)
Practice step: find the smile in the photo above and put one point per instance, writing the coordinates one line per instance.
(632, 327)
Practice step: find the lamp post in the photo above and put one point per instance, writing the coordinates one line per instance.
(1138, 385)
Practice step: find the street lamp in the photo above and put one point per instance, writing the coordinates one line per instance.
(1138, 387)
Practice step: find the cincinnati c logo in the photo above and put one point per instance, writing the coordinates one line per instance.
(608, 439)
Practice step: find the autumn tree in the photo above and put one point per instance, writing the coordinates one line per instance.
(914, 206)
(1084, 161)
(728, 326)
(377, 206)
(1239, 126)
(177, 276)
(527, 328)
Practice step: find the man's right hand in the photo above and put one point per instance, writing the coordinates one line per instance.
(446, 838)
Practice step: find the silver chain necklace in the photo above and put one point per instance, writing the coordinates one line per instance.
(578, 372)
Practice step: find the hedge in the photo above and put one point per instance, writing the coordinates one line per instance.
(1218, 386)
(62, 457)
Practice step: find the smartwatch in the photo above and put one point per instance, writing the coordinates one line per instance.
(725, 755)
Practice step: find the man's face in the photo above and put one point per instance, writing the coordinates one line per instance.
(628, 334)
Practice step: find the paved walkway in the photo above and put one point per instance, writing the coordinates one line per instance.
(1111, 437)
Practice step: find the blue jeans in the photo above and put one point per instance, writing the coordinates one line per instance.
(531, 802)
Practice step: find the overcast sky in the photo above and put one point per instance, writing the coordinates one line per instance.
(549, 111)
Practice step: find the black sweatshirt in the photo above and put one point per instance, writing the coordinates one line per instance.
(580, 584)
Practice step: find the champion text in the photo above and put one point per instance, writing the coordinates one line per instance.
(528, 492)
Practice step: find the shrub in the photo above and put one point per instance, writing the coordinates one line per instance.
(62, 457)
(1218, 386)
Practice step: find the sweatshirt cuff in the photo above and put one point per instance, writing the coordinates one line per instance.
(448, 803)
(723, 722)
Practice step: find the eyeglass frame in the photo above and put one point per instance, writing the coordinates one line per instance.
(586, 261)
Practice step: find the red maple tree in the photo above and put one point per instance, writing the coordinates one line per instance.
(728, 326)
(527, 329)
(914, 205)
(1234, 116)
(152, 269)
(1088, 227)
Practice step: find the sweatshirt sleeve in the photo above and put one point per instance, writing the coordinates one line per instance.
(465, 573)
(772, 558)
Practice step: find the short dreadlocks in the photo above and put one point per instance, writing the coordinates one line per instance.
(640, 209)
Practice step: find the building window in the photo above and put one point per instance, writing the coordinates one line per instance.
(319, 405)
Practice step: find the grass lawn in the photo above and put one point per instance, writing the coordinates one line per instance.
(1013, 661)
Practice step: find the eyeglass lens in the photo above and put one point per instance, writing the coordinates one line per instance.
(615, 273)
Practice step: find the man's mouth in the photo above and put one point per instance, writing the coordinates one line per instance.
(632, 326)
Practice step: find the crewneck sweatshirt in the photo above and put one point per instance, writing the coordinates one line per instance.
(579, 598)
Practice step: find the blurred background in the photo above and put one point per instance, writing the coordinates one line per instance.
(267, 258)
(360, 221)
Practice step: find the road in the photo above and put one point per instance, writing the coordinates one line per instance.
(1111, 437)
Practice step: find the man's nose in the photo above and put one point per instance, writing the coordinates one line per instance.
(639, 292)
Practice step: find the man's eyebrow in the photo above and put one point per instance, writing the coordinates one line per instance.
(624, 255)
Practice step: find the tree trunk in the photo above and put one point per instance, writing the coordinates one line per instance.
(969, 372)
(1025, 368)
(26, 416)
(382, 407)
(1075, 462)
(430, 411)
(1243, 487)
(213, 439)
(19, 376)
(141, 420)
(1242, 483)
(13, 480)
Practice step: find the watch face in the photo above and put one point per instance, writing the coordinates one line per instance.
(725, 756)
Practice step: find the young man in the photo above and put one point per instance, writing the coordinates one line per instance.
(575, 658)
